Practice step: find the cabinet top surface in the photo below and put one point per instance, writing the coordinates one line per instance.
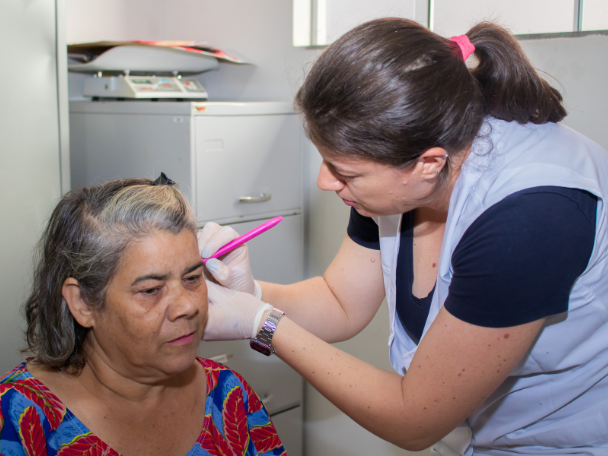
(195, 108)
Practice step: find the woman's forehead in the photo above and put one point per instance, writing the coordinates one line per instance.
(160, 251)
(346, 163)
(342, 159)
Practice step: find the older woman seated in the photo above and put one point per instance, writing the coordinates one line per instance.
(117, 310)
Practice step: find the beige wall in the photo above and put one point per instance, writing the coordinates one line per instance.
(30, 154)
(328, 430)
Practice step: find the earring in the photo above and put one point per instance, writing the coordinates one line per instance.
(436, 172)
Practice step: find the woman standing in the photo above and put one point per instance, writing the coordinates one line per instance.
(482, 222)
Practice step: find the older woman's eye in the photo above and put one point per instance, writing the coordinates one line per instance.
(150, 291)
(195, 279)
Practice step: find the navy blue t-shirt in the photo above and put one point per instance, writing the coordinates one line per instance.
(516, 263)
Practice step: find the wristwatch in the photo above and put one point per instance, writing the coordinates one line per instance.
(263, 340)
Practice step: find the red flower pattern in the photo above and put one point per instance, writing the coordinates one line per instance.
(255, 403)
(31, 432)
(213, 375)
(35, 391)
(265, 438)
(212, 441)
(86, 445)
(234, 416)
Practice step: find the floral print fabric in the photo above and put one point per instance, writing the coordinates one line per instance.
(34, 422)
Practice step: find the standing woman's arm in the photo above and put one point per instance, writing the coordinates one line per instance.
(334, 307)
(456, 367)
(514, 266)
(340, 304)
(516, 263)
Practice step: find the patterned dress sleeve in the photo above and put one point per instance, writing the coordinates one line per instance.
(236, 421)
(34, 422)
(27, 416)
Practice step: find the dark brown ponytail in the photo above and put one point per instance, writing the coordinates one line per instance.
(512, 89)
(390, 89)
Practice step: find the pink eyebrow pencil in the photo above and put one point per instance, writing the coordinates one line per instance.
(244, 238)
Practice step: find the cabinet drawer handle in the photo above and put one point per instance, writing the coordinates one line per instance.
(255, 199)
(266, 399)
(222, 359)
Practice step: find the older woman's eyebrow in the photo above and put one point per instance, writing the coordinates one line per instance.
(151, 277)
(194, 267)
(161, 277)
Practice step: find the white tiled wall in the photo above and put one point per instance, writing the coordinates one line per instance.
(451, 17)
(595, 15)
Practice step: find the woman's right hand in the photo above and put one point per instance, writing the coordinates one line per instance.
(234, 271)
(233, 315)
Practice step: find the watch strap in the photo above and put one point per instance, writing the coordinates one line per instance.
(263, 340)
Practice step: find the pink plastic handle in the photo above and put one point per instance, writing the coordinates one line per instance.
(244, 238)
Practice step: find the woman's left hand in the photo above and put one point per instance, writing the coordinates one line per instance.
(234, 270)
(233, 315)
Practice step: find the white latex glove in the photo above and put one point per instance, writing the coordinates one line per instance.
(234, 271)
(233, 315)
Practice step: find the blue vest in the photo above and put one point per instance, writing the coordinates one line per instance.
(557, 397)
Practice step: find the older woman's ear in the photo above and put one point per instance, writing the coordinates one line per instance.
(78, 307)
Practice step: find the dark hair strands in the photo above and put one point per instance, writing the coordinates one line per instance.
(390, 89)
(512, 88)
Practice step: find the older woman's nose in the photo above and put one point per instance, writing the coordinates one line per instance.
(327, 180)
(184, 304)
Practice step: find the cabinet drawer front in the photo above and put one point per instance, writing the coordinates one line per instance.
(247, 165)
(277, 255)
(289, 426)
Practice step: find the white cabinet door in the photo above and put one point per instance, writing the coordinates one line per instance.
(118, 145)
(247, 157)
(289, 428)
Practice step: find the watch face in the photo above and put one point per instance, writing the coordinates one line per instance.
(260, 348)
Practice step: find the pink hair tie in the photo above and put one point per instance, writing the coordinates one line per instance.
(465, 45)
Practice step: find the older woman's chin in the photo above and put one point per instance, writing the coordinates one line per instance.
(177, 363)
(179, 355)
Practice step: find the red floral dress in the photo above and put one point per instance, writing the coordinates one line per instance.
(34, 422)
